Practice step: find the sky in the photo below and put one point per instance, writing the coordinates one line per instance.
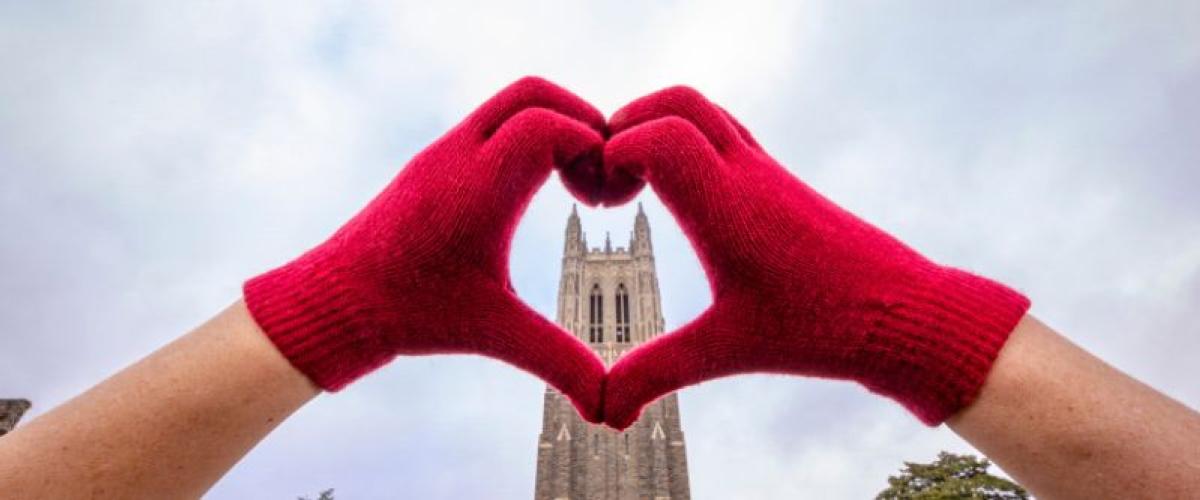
(153, 155)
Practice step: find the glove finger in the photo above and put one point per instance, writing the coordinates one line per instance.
(742, 131)
(672, 361)
(533, 142)
(690, 178)
(686, 103)
(532, 92)
(513, 332)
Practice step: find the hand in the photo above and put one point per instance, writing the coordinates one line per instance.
(423, 269)
(799, 285)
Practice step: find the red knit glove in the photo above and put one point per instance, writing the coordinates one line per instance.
(423, 269)
(799, 285)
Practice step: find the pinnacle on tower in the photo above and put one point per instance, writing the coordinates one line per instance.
(573, 219)
(640, 243)
(574, 243)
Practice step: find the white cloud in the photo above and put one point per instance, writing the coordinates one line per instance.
(153, 155)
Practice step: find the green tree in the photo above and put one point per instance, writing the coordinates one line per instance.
(950, 477)
(325, 495)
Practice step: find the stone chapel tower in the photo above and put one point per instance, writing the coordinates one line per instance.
(609, 299)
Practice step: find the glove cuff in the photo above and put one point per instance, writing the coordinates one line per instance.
(316, 320)
(936, 340)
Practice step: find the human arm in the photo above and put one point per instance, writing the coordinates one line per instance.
(1065, 424)
(168, 426)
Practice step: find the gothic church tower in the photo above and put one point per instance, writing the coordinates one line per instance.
(609, 299)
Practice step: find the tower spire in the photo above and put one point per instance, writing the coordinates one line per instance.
(640, 244)
(574, 243)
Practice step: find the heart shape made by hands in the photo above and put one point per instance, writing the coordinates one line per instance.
(799, 285)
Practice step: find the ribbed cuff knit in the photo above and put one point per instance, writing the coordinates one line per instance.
(934, 344)
(317, 322)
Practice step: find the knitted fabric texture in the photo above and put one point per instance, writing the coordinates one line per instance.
(423, 269)
(799, 285)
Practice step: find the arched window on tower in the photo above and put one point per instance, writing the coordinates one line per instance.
(622, 314)
(596, 315)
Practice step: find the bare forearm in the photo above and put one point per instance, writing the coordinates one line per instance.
(1067, 425)
(168, 426)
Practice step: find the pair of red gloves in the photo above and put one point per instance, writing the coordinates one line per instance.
(799, 285)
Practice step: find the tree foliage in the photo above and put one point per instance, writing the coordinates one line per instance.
(325, 495)
(951, 476)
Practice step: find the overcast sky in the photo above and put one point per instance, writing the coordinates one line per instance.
(153, 155)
